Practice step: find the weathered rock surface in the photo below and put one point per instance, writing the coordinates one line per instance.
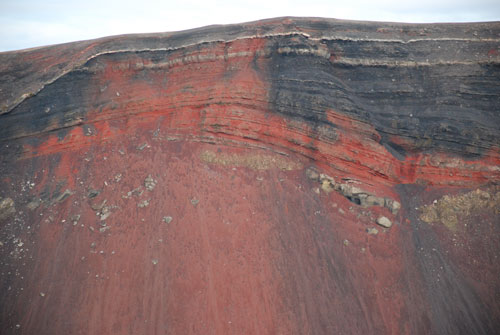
(276, 145)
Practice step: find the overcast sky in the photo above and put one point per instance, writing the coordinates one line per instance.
(30, 23)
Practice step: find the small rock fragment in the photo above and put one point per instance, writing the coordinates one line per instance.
(34, 204)
(195, 202)
(105, 213)
(346, 242)
(103, 229)
(42, 294)
(93, 193)
(167, 219)
(392, 205)
(142, 204)
(154, 261)
(327, 183)
(142, 146)
(75, 219)
(372, 200)
(7, 208)
(99, 206)
(372, 231)
(64, 195)
(136, 192)
(384, 222)
(326, 186)
(150, 183)
(312, 174)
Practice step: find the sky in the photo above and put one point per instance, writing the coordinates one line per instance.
(31, 23)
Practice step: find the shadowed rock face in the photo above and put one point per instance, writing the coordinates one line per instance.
(286, 176)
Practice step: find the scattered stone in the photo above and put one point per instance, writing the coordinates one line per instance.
(392, 205)
(118, 177)
(142, 204)
(195, 202)
(34, 204)
(154, 261)
(121, 152)
(312, 174)
(105, 213)
(7, 208)
(103, 229)
(167, 219)
(451, 210)
(99, 206)
(372, 231)
(354, 190)
(142, 146)
(384, 222)
(341, 211)
(93, 245)
(346, 242)
(75, 218)
(64, 195)
(352, 193)
(42, 294)
(316, 190)
(93, 193)
(371, 200)
(136, 191)
(150, 183)
(326, 186)
(327, 183)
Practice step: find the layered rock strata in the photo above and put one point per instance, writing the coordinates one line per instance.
(292, 175)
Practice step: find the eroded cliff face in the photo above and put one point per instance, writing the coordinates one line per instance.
(233, 179)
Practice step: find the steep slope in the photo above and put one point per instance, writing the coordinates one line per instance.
(229, 179)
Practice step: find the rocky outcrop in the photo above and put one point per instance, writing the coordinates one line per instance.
(291, 175)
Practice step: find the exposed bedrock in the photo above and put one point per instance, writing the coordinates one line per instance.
(292, 175)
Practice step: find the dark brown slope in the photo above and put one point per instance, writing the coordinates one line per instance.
(228, 179)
